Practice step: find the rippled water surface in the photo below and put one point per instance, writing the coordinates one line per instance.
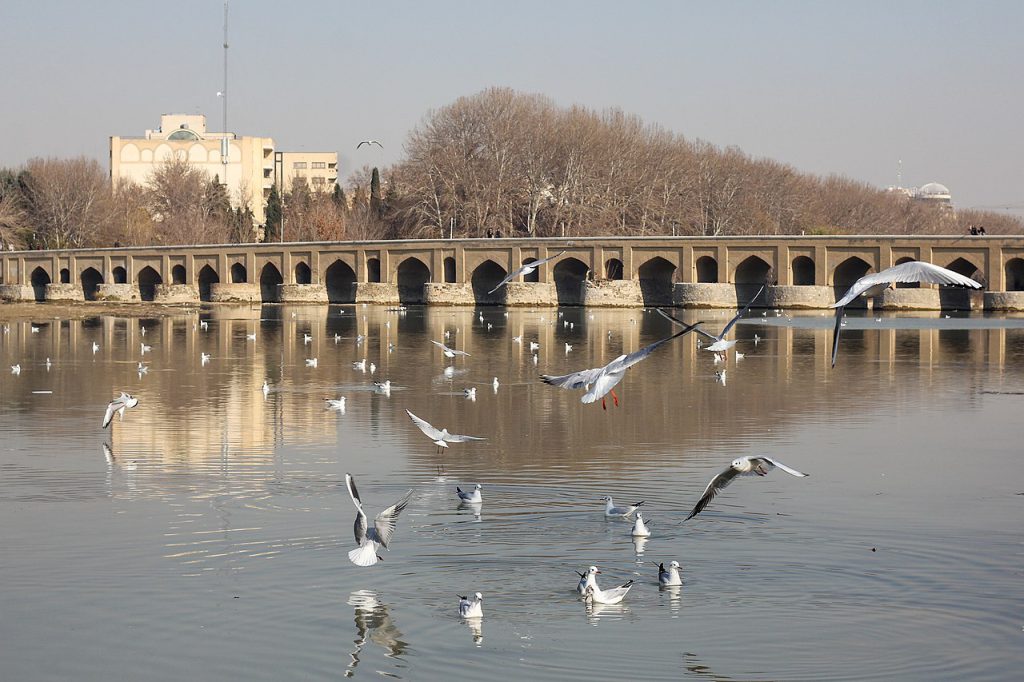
(205, 537)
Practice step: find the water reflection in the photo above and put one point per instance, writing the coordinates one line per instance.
(476, 629)
(373, 625)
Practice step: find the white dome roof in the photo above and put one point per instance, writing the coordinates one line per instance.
(934, 189)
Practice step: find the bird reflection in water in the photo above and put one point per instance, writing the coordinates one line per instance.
(476, 628)
(373, 624)
(675, 597)
(596, 611)
(475, 508)
(639, 543)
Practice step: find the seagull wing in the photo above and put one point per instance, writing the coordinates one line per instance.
(788, 470)
(914, 271)
(456, 438)
(605, 383)
(459, 352)
(112, 407)
(576, 380)
(720, 481)
(835, 334)
(740, 314)
(683, 324)
(623, 363)
(377, 143)
(385, 522)
(362, 143)
(440, 345)
(508, 278)
(424, 426)
(359, 528)
(535, 263)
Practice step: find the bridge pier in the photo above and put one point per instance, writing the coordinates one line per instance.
(240, 292)
(176, 293)
(302, 293)
(64, 293)
(118, 293)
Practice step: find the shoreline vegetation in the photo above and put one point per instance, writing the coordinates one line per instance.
(497, 163)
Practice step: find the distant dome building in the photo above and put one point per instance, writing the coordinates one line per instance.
(934, 193)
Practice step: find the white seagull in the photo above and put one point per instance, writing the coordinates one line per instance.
(527, 269)
(383, 387)
(441, 437)
(16, 369)
(474, 497)
(719, 344)
(250, 337)
(143, 369)
(667, 577)
(534, 345)
(568, 347)
(266, 388)
(471, 608)
(449, 352)
(368, 538)
(306, 338)
(611, 510)
(145, 348)
(612, 595)
(361, 365)
(33, 329)
(741, 466)
(873, 285)
(95, 347)
(338, 404)
(204, 358)
(601, 381)
(373, 368)
(495, 384)
(312, 362)
(587, 579)
(369, 143)
(640, 529)
(119, 405)
(470, 393)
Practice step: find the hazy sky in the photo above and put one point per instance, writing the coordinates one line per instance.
(844, 87)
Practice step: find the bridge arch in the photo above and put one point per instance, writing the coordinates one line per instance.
(803, 271)
(270, 277)
(613, 269)
(120, 275)
(449, 270)
(207, 277)
(303, 275)
(90, 279)
(845, 274)
(148, 280)
(413, 274)
(65, 276)
(238, 274)
(752, 270)
(533, 276)
(1015, 274)
(570, 275)
(656, 281)
(485, 277)
(178, 274)
(968, 268)
(340, 280)
(707, 269)
(373, 270)
(39, 279)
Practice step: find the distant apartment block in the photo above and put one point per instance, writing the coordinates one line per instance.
(248, 166)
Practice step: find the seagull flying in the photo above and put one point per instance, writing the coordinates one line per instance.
(440, 437)
(718, 343)
(600, 381)
(474, 497)
(873, 285)
(119, 405)
(741, 466)
(369, 142)
(448, 352)
(611, 510)
(368, 538)
(471, 608)
(527, 269)
(668, 577)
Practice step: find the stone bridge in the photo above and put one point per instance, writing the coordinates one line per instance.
(805, 271)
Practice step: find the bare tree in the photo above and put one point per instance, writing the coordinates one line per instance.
(67, 201)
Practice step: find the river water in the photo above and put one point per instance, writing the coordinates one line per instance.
(205, 537)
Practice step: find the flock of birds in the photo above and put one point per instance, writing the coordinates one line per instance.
(596, 383)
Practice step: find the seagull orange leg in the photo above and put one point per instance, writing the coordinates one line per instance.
(603, 405)
(615, 398)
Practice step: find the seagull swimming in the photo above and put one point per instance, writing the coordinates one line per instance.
(368, 538)
(449, 352)
(741, 466)
(568, 347)
(441, 437)
(119, 405)
(611, 510)
(495, 384)
(338, 404)
(474, 497)
(306, 338)
(640, 529)
(16, 369)
(266, 388)
(587, 579)
(373, 368)
(873, 285)
(527, 269)
(601, 381)
(250, 337)
(204, 358)
(612, 595)
(361, 365)
(143, 369)
(383, 387)
(471, 608)
(719, 344)
(534, 345)
(95, 347)
(312, 362)
(517, 339)
(668, 577)
(145, 348)
(470, 392)
(50, 364)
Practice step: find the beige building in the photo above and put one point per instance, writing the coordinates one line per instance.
(248, 166)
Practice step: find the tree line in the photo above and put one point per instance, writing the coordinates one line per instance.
(497, 163)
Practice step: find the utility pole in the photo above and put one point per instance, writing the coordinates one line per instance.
(224, 143)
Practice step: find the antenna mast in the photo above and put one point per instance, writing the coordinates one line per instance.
(224, 144)
(899, 173)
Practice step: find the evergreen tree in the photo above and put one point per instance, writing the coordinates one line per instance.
(274, 210)
(339, 198)
(376, 203)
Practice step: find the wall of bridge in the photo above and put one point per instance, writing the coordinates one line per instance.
(686, 271)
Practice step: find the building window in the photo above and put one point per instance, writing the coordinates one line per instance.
(318, 182)
(318, 164)
(299, 165)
